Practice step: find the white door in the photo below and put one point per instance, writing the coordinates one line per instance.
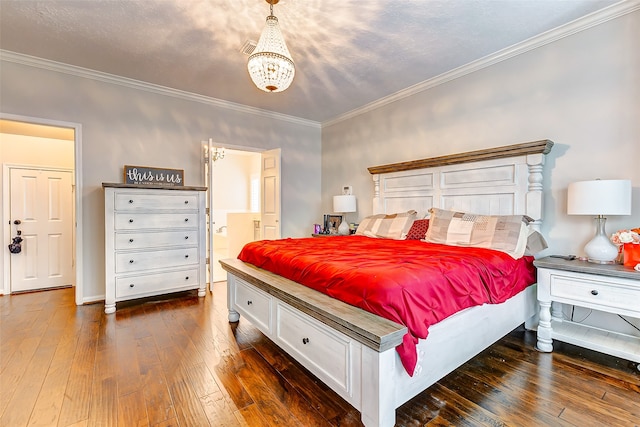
(41, 209)
(270, 195)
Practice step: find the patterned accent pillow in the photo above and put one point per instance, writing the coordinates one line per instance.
(384, 226)
(418, 229)
(506, 233)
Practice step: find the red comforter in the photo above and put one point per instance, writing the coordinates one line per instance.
(413, 283)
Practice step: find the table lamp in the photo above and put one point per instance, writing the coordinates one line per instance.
(343, 204)
(600, 198)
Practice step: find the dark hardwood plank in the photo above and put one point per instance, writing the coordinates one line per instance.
(25, 393)
(159, 405)
(220, 411)
(104, 402)
(301, 408)
(132, 410)
(176, 361)
(15, 369)
(188, 407)
(77, 395)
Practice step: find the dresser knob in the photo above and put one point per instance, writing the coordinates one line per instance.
(186, 256)
(131, 285)
(130, 201)
(186, 237)
(186, 278)
(130, 261)
(594, 292)
(186, 220)
(305, 340)
(130, 240)
(186, 202)
(131, 220)
(249, 302)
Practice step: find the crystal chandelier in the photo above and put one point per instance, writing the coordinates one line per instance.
(270, 65)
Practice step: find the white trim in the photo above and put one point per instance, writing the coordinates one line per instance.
(6, 231)
(77, 173)
(86, 73)
(612, 12)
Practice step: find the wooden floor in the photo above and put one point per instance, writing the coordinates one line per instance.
(178, 362)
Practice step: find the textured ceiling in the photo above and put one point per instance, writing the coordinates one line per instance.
(348, 53)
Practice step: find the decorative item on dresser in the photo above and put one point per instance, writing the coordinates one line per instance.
(609, 288)
(154, 241)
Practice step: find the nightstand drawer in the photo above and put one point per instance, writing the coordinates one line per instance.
(595, 292)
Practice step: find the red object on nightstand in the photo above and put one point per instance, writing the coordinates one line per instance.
(631, 254)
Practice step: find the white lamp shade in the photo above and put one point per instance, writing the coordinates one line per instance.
(344, 203)
(599, 197)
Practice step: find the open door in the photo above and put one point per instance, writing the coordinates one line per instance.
(270, 195)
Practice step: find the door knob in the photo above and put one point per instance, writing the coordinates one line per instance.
(17, 222)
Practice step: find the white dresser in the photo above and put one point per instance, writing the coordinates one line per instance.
(155, 241)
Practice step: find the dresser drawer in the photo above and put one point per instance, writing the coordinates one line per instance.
(144, 260)
(151, 284)
(254, 304)
(165, 200)
(133, 240)
(595, 292)
(147, 221)
(322, 350)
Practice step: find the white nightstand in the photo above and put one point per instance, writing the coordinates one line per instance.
(608, 288)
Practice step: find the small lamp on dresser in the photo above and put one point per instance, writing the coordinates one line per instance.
(343, 204)
(600, 198)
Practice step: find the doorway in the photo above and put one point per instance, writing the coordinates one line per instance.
(243, 203)
(235, 204)
(39, 160)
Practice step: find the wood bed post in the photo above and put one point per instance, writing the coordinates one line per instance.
(534, 196)
(378, 397)
(376, 194)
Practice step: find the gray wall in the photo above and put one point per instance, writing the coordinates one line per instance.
(582, 92)
(124, 125)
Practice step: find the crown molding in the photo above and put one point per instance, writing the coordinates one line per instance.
(596, 18)
(86, 73)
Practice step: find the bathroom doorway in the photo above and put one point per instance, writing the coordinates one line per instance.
(235, 204)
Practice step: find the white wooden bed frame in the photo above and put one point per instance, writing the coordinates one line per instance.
(353, 351)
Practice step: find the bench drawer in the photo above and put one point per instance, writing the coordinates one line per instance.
(254, 304)
(324, 351)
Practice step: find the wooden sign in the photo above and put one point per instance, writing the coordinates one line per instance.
(157, 176)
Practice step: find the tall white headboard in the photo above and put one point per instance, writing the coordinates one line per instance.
(498, 181)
